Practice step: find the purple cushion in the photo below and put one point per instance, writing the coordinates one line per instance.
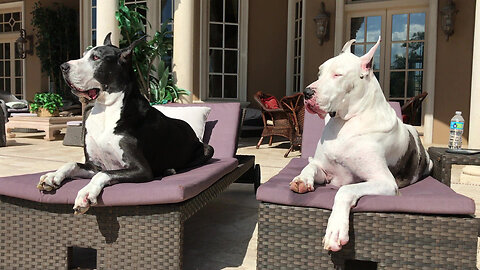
(313, 129)
(221, 128)
(428, 196)
(171, 189)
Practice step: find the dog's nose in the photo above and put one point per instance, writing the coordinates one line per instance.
(65, 67)
(308, 93)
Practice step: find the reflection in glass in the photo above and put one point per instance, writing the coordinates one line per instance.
(167, 10)
(417, 26)
(376, 56)
(215, 86)
(358, 50)
(415, 55)
(231, 11)
(216, 10)
(398, 53)
(231, 36)
(399, 27)
(397, 84)
(230, 61)
(357, 29)
(230, 86)
(414, 83)
(216, 61)
(18, 86)
(374, 25)
(216, 34)
(18, 68)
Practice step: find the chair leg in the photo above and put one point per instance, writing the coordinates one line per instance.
(259, 142)
(270, 142)
(289, 150)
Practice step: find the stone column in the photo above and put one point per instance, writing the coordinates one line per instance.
(474, 128)
(106, 21)
(183, 46)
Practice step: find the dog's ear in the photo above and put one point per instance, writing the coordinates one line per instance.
(366, 60)
(107, 41)
(346, 47)
(127, 52)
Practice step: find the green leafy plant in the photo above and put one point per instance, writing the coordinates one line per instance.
(50, 101)
(153, 75)
(55, 40)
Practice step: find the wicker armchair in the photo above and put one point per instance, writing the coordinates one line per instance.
(275, 121)
(294, 107)
(411, 107)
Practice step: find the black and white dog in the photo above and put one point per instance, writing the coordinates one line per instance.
(126, 139)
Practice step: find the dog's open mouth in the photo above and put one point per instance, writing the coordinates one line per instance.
(314, 109)
(88, 94)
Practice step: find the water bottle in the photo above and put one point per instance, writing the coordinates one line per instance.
(456, 131)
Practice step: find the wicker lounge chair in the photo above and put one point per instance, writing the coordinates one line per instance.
(135, 226)
(428, 227)
(294, 107)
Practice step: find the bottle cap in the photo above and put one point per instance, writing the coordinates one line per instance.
(458, 112)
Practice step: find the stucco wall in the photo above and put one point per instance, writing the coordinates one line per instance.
(35, 81)
(316, 54)
(453, 71)
(267, 47)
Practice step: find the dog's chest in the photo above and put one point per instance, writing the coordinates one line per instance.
(102, 145)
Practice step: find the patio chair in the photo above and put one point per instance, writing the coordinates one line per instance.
(294, 107)
(11, 104)
(275, 120)
(411, 108)
(428, 227)
(135, 225)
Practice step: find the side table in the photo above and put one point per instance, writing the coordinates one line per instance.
(443, 161)
(51, 125)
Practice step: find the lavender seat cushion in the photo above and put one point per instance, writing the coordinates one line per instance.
(171, 189)
(428, 196)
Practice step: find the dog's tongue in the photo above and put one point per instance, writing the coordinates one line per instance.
(92, 93)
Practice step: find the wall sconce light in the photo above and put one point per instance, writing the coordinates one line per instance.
(22, 42)
(448, 18)
(322, 22)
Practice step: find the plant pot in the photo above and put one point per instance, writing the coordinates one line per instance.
(42, 112)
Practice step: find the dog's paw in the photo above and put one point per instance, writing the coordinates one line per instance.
(336, 235)
(301, 186)
(86, 197)
(49, 181)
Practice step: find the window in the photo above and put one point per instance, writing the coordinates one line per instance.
(11, 65)
(398, 64)
(223, 49)
(297, 47)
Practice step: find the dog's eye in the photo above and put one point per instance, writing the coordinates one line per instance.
(95, 58)
(336, 75)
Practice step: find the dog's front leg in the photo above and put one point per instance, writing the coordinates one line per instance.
(310, 174)
(53, 180)
(87, 196)
(347, 196)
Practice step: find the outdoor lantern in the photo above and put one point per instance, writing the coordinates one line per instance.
(448, 18)
(322, 21)
(22, 42)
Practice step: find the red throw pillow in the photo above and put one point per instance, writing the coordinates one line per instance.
(270, 103)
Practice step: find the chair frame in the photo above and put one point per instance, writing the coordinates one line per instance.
(294, 107)
(40, 236)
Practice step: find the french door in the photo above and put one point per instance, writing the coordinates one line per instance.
(11, 65)
(399, 64)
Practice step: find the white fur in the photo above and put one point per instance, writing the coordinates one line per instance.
(53, 180)
(102, 144)
(87, 196)
(357, 145)
(81, 73)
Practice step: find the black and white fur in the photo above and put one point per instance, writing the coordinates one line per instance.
(126, 139)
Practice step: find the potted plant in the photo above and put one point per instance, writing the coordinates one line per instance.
(46, 104)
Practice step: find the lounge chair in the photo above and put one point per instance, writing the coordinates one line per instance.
(135, 225)
(428, 227)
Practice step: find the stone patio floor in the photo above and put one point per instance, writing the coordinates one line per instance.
(223, 235)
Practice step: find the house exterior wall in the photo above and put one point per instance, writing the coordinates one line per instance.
(35, 81)
(267, 48)
(453, 71)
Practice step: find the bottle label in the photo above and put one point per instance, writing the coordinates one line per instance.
(456, 125)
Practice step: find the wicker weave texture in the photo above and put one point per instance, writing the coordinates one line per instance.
(37, 236)
(291, 238)
(443, 161)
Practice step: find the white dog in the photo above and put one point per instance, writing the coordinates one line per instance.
(365, 148)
